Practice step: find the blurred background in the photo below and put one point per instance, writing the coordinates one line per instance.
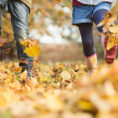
(50, 22)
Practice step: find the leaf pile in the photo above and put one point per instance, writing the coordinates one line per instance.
(110, 29)
(60, 90)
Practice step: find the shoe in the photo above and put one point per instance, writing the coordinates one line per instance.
(110, 54)
(30, 74)
(28, 68)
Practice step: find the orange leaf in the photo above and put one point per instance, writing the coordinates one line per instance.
(18, 69)
(7, 51)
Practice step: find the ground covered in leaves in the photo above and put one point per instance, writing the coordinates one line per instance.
(59, 90)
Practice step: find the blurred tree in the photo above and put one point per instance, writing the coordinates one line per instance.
(46, 12)
(115, 8)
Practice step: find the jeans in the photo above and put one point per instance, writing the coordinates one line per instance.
(85, 13)
(19, 18)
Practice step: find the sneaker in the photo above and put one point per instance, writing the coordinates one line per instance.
(30, 74)
(28, 68)
(110, 54)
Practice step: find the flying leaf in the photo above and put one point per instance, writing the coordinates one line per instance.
(33, 51)
(104, 21)
(113, 29)
(24, 42)
(29, 42)
(112, 37)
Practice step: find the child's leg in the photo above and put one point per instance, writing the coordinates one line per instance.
(110, 54)
(86, 31)
(98, 17)
(19, 17)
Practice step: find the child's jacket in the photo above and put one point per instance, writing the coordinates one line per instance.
(93, 2)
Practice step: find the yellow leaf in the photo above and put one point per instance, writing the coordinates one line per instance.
(18, 69)
(110, 45)
(24, 42)
(114, 29)
(59, 0)
(94, 60)
(65, 75)
(112, 40)
(44, 79)
(85, 105)
(108, 14)
(33, 51)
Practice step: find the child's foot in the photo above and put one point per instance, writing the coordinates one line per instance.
(91, 63)
(91, 71)
(110, 54)
(28, 68)
(30, 74)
